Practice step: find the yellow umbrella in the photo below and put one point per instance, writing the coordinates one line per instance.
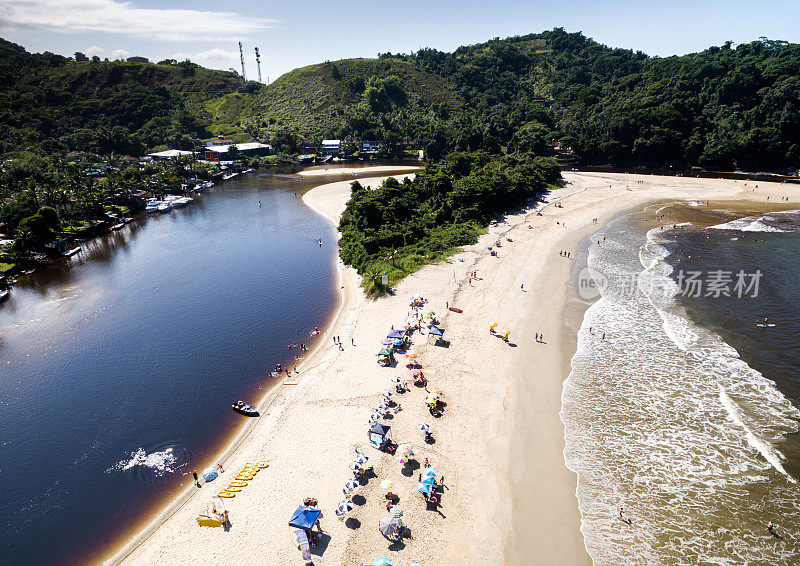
(492, 324)
(507, 333)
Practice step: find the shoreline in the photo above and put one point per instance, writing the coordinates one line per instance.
(345, 284)
(479, 414)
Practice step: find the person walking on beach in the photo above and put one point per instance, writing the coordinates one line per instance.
(603, 339)
(220, 469)
(196, 479)
(537, 337)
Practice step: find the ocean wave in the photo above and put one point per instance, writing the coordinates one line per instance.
(663, 417)
(783, 221)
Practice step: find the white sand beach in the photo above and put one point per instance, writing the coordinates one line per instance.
(323, 170)
(508, 497)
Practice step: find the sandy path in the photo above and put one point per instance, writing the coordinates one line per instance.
(499, 444)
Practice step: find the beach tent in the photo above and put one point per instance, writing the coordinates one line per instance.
(436, 331)
(304, 517)
(396, 334)
(378, 434)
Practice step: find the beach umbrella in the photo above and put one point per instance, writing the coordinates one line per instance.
(395, 379)
(345, 507)
(356, 465)
(384, 352)
(411, 356)
(387, 393)
(396, 512)
(424, 488)
(424, 427)
(382, 561)
(506, 333)
(489, 248)
(402, 460)
(416, 372)
(430, 400)
(383, 405)
(210, 474)
(387, 342)
(397, 342)
(430, 472)
(387, 526)
(351, 484)
(377, 415)
(405, 449)
(361, 459)
(493, 324)
(436, 331)
(387, 484)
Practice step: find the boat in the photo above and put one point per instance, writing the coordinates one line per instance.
(248, 170)
(71, 252)
(4, 295)
(244, 409)
(152, 205)
(181, 202)
(229, 176)
(165, 207)
(119, 226)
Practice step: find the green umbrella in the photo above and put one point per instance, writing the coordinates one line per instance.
(384, 352)
(396, 512)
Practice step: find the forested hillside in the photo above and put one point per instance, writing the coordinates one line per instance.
(724, 107)
(51, 103)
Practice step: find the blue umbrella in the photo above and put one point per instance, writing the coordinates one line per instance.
(382, 561)
(397, 342)
(424, 488)
(210, 474)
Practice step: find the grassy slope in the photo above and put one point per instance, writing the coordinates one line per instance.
(312, 100)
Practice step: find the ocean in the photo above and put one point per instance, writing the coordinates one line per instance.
(681, 406)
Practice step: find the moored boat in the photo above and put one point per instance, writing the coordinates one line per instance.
(244, 409)
(71, 252)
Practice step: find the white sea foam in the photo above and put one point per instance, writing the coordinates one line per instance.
(160, 462)
(664, 418)
(782, 221)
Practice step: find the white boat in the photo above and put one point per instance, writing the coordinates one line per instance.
(165, 207)
(71, 252)
(181, 202)
(229, 176)
(4, 295)
(248, 170)
(152, 205)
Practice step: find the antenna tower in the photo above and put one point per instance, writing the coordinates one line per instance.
(241, 56)
(258, 63)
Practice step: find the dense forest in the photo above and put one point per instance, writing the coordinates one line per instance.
(53, 104)
(722, 108)
(726, 107)
(397, 228)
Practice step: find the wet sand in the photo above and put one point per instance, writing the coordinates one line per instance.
(508, 496)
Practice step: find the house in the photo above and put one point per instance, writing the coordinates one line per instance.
(371, 148)
(219, 153)
(169, 154)
(330, 147)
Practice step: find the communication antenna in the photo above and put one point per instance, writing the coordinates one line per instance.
(241, 56)
(258, 63)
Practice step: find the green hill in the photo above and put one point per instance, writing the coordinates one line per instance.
(57, 104)
(723, 107)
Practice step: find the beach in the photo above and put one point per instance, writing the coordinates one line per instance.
(508, 495)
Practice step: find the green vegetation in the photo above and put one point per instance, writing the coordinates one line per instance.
(722, 108)
(398, 227)
(54, 104)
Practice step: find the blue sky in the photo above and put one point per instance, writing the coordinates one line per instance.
(292, 34)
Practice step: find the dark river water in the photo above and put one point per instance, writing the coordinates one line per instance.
(120, 364)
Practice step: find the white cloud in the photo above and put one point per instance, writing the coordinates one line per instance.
(112, 16)
(216, 55)
(94, 50)
(120, 54)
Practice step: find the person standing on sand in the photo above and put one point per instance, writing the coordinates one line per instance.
(220, 468)
(196, 479)
(603, 339)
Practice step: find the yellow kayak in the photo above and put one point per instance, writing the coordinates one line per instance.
(263, 465)
(238, 483)
(244, 478)
(233, 488)
(226, 494)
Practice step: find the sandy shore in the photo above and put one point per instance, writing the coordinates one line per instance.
(500, 442)
(322, 170)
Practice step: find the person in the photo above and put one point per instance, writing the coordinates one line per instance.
(771, 527)
(537, 337)
(522, 286)
(259, 204)
(220, 469)
(196, 479)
